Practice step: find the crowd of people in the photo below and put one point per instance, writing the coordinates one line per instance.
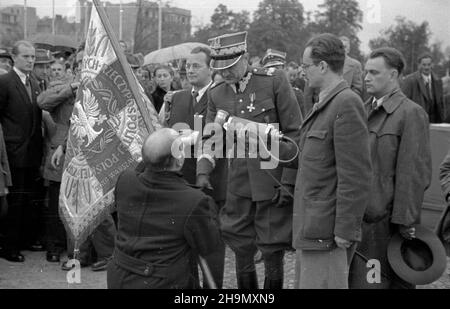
(354, 164)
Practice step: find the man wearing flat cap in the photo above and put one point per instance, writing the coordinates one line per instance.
(258, 211)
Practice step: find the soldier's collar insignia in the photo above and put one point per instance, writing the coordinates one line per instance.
(244, 82)
(270, 71)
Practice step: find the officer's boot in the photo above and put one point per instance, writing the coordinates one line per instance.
(247, 281)
(247, 278)
(273, 263)
(273, 284)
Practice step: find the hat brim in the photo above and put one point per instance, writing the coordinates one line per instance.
(44, 62)
(6, 56)
(224, 64)
(404, 271)
(274, 63)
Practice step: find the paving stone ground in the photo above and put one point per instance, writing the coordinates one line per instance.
(37, 273)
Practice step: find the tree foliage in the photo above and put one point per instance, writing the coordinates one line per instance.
(342, 17)
(278, 24)
(408, 37)
(223, 21)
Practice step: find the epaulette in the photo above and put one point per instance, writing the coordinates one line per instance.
(264, 71)
(214, 85)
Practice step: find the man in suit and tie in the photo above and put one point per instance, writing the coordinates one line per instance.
(21, 119)
(425, 88)
(186, 105)
(352, 69)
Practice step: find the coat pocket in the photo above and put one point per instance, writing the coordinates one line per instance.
(314, 147)
(319, 219)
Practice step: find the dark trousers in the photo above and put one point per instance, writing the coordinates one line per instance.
(248, 226)
(56, 234)
(374, 245)
(25, 206)
(102, 240)
(215, 260)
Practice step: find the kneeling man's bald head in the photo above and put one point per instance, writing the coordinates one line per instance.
(157, 151)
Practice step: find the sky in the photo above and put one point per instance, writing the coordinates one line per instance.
(379, 14)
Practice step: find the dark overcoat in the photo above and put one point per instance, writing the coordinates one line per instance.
(414, 88)
(401, 159)
(334, 172)
(21, 119)
(162, 223)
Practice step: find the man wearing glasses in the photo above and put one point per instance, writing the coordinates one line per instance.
(334, 171)
(184, 107)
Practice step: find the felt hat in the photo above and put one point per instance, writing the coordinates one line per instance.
(419, 261)
(5, 54)
(43, 56)
(227, 50)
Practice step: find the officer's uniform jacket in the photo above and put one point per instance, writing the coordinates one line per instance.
(263, 96)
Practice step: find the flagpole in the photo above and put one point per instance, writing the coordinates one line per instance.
(159, 25)
(53, 19)
(124, 63)
(25, 19)
(120, 20)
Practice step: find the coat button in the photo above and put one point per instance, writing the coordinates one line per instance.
(147, 271)
(240, 101)
(263, 109)
(242, 112)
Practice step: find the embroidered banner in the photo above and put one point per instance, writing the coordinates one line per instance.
(111, 119)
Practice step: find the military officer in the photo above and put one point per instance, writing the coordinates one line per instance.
(277, 59)
(258, 211)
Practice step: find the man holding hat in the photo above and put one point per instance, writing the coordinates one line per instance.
(258, 211)
(401, 159)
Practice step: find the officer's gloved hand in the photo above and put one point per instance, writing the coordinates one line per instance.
(283, 196)
(203, 182)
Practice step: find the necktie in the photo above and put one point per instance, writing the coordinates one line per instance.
(194, 96)
(374, 104)
(28, 87)
(428, 85)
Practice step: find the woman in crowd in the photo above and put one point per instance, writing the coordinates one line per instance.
(163, 76)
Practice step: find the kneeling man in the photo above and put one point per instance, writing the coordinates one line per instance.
(163, 222)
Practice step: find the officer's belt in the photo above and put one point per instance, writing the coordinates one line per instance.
(138, 266)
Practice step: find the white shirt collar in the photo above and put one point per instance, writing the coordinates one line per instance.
(426, 78)
(380, 100)
(202, 91)
(22, 76)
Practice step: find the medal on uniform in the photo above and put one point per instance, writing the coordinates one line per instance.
(251, 107)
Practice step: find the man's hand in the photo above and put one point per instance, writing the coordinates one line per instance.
(283, 196)
(407, 232)
(168, 97)
(342, 243)
(203, 182)
(56, 157)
